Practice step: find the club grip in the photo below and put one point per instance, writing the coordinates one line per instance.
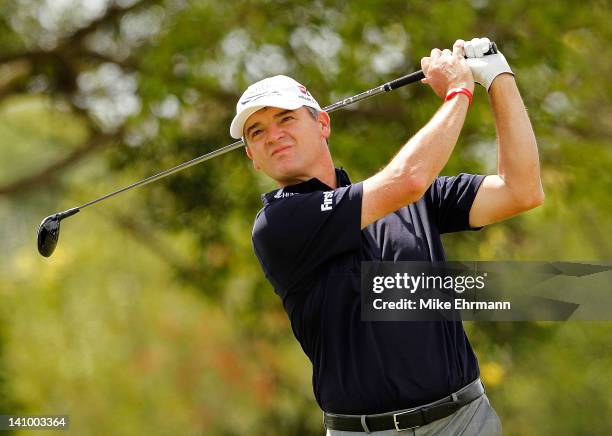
(492, 49)
(405, 80)
(418, 75)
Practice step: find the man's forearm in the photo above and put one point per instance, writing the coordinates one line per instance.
(405, 179)
(518, 160)
(425, 154)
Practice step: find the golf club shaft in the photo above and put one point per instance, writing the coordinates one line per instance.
(389, 86)
(386, 87)
(169, 171)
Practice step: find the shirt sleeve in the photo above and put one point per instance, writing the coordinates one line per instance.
(451, 199)
(293, 236)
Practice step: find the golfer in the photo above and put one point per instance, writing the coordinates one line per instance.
(383, 378)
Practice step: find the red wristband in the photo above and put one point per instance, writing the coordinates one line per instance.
(455, 91)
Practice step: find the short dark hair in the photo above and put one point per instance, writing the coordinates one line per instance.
(314, 113)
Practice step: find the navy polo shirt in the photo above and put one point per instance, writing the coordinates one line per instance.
(308, 240)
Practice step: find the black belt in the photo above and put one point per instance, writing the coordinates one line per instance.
(409, 418)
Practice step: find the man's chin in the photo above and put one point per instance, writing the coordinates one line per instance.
(287, 177)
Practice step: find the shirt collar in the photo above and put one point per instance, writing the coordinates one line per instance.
(312, 185)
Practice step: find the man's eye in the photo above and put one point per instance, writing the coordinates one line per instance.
(255, 133)
(286, 118)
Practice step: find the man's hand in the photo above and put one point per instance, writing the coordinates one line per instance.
(445, 70)
(485, 68)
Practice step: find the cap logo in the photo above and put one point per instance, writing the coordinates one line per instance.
(258, 96)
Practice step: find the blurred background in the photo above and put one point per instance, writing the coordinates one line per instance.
(152, 317)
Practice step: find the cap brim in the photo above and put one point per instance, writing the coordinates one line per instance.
(237, 126)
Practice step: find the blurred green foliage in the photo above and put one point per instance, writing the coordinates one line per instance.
(153, 317)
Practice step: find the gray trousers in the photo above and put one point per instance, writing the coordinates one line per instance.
(475, 418)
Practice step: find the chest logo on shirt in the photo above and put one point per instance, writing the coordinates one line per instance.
(281, 194)
(328, 200)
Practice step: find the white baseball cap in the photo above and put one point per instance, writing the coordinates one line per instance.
(279, 91)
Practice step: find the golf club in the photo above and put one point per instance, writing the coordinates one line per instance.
(49, 229)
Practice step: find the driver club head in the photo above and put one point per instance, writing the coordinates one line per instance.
(48, 231)
(48, 234)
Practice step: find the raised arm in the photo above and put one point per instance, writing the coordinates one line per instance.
(517, 186)
(406, 178)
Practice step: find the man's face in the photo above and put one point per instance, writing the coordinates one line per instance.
(286, 144)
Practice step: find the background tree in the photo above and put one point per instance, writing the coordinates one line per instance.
(153, 313)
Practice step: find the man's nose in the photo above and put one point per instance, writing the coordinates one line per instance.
(275, 133)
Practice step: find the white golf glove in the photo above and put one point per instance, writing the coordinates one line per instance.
(485, 68)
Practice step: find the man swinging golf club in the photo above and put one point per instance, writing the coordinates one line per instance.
(315, 230)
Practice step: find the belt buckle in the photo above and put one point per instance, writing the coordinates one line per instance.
(397, 428)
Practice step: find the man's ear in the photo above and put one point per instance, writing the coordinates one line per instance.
(325, 123)
(250, 155)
